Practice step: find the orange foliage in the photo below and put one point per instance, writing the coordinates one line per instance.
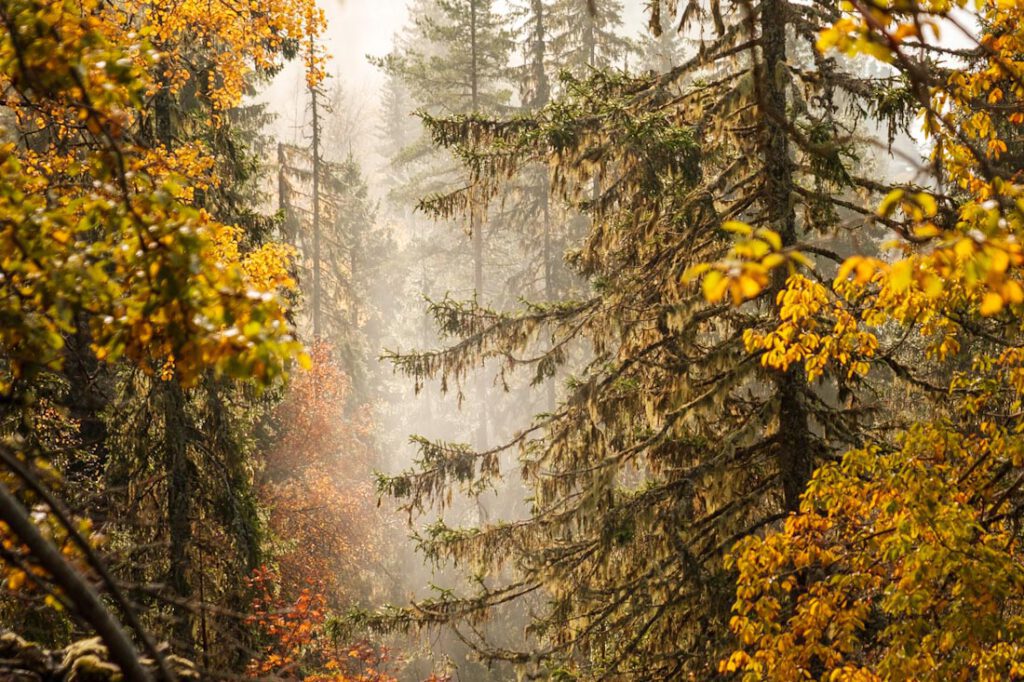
(298, 644)
(318, 483)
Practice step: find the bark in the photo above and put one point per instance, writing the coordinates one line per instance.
(86, 400)
(317, 299)
(477, 233)
(794, 449)
(180, 488)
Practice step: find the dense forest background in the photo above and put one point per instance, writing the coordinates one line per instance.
(551, 339)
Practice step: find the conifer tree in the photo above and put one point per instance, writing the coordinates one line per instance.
(144, 260)
(663, 50)
(454, 60)
(354, 249)
(397, 131)
(586, 36)
(672, 442)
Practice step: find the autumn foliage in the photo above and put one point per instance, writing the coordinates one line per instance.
(905, 559)
(317, 483)
(327, 532)
(782, 434)
(298, 642)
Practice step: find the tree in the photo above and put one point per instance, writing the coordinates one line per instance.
(672, 442)
(199, 435)
(317, 484)
(662, 50)
(299, 642)
(354, 250)
(585, 36)
(122, 265)
(903, 561)
(454, 57)
(454, 60)
(397, 132)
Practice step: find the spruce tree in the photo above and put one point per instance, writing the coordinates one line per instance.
(586, 36)
(198, 533)
(153, 440)
(662, 50)
(673, 441)
(454, 61)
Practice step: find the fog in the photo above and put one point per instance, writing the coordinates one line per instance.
(419, 259)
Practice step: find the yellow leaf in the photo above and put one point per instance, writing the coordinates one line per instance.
(695, 271)
(904, 31)
(737, 227)
(927, 203)
(889, 202)
(15, 580)
(749, 287)
(1000, 260)
(771, 237)
(714, 286)
(964, 248)
(847, 267)
(901, 275)
(827, 39)
(933, 286)
(991, 304)
(1013, 292)
(801, 259)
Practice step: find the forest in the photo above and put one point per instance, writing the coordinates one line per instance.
(574, 340)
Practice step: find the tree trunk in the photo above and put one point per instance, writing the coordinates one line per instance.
(86, 401)
(794, 454)
(477, 232)
(180, 490)
(317, 302)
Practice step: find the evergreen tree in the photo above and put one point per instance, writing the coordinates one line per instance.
(353, 255)
(672, 441)
(663, 50)
(586, 36)
(397, 130)
(197, 439)
(454, 59)
(167, 296)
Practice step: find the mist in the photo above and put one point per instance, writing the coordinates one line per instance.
(481, 340)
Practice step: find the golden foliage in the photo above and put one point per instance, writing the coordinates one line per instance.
(905, 559)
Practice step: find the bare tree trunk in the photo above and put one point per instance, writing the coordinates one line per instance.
(87, 377)
(549, 285)
(477, 233)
